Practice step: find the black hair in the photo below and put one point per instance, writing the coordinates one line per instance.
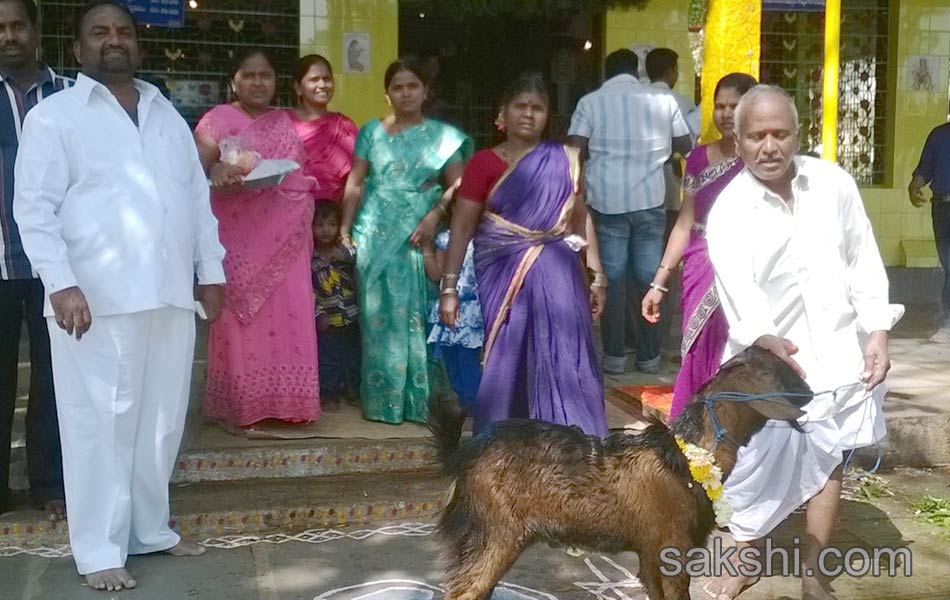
(407, 63)
(529, 82)
(326, 209)
(304, 63)
(30, 7)
(94, 4)
(621, 62)
(741, 82)
(241, 57)
(660, 62)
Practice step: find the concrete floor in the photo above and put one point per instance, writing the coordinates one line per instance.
(400, 562)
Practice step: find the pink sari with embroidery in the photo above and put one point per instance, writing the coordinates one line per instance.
(262, 352)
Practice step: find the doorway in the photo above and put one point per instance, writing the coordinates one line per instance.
(473, 57)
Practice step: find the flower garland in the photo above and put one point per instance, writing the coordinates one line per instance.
(705, 471)
(696, 30)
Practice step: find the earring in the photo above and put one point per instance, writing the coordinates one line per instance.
(500, 121)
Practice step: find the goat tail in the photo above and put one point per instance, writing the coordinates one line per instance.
(445, 422)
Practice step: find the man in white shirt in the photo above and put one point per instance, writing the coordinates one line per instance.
(627, 132)
(798, 272)
(113, 209)
(663, 70)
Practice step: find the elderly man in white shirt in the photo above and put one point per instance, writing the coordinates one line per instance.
(798, 271)
(627, 132)
(113, 209)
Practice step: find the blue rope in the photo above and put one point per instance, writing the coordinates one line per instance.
(720, 432)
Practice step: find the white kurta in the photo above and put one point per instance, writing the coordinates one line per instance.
(810, 272)
(122, 212)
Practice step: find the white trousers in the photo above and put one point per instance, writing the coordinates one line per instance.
(781, 468)
(122, 395)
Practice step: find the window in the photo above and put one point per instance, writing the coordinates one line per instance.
(793, 56)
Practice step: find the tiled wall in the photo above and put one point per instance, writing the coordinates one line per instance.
(322, 27)
(923, 28)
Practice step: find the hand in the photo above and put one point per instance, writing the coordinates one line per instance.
(917, 197)
(650, 306)
(424, 231)
(224, 175)
(598, 300)
(71, 311)
(783, 349)
(877, 362)
(449, 309)
(346, 238)
(212, 299)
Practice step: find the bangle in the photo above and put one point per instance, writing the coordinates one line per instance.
(599, 279)
(658, 287)
(665, 268)
(448, 281)
(598, 284)
(449, 292)
(428, 254)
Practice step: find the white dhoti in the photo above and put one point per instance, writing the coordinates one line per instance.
(122, 396)
(781, 468)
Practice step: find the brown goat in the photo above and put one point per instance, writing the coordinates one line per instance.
(521, 481)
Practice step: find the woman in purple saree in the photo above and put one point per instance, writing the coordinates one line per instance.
(709, 168)
(539, 358)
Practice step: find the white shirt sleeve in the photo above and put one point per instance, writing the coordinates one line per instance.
(582, 121)
(209, 253)
(680, 128)
(744, 303)
(41, 178)
(865, 275)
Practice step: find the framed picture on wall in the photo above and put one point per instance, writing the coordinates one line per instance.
(356, 52)
(924, 73)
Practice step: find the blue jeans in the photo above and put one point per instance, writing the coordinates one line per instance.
(630, 243)
(940, 211)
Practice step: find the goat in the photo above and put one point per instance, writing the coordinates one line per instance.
(522, 481)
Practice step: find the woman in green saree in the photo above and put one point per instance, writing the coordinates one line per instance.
(404, 172)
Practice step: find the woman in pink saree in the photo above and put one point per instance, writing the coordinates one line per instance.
(709, 168)
(262, 352)
(328, 137)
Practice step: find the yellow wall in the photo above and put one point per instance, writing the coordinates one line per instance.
(919, 27)
(922, 28)
(322, 25)
(663, 24)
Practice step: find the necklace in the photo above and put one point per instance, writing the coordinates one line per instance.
(508, 156)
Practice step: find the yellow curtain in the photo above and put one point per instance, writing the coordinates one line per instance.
(732, 44)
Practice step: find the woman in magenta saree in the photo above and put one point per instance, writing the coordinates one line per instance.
(539, 357)
(709, 168)
(262, 352)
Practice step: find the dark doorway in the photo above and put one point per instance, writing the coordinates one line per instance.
(475, 56)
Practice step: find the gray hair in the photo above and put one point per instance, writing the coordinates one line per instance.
(755, 94)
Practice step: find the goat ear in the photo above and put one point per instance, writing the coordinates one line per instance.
(777, 408)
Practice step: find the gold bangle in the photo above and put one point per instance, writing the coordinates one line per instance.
(599, 279)
(600, 285)
(665, 268)
(449, 292)
(657, 286)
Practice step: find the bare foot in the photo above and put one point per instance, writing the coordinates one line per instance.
(727, 587)
(186, 548)
(942, 336)
(55, 510)
(110, 580)
(814, 589)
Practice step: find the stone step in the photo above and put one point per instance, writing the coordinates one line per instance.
(264, 506)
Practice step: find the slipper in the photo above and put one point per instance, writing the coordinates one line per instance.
(723, 595)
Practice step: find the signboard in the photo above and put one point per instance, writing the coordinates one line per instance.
(160, 13)
(794, 5)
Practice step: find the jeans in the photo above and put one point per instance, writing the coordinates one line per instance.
(338, 351)
(44, 460)
(630, 244)
(940, 211)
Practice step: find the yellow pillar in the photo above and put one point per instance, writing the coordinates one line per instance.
(732, 39)
(829, 94)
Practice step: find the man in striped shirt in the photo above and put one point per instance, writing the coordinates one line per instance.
(628, 131)
(23, 83)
